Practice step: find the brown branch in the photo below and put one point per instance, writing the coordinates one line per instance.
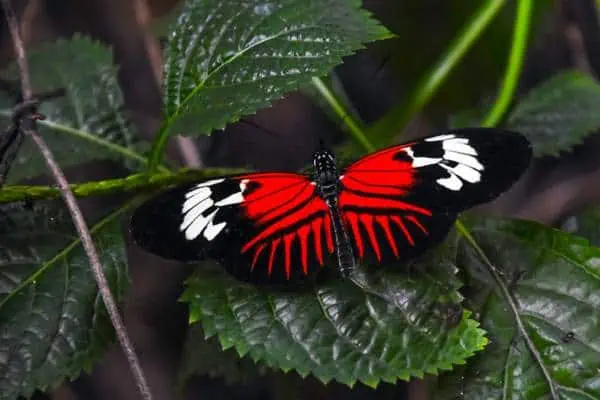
(28, 125)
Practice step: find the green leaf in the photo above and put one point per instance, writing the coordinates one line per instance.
(229, 58)
(221, 363)
(88, 122)
(53, 322)
(558, 114)
(588, 225)
(555, 279)
(384, 326)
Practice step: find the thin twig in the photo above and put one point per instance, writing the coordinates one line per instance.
(28, 125)
(512, 304)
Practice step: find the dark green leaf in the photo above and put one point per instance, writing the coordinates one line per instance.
(555, 278)
(384, 326)
(204, 356)
(53, 323)
(558, 114)
(229, 58)
(88, 122)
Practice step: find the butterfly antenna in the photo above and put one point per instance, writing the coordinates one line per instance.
(380, 67)
(322, 145)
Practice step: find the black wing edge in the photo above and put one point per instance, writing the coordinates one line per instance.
(505, 154)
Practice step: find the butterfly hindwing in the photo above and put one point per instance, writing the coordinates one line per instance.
(267, 228)
(412, 192)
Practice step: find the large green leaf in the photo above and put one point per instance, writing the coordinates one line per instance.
(555, 279)
(53, 322)
(384, 326)
(88, 122)
(227, 58)
(558, 114)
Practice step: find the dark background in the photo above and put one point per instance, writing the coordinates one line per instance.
(565, 34)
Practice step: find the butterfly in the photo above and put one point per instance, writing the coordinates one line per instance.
(282, 228)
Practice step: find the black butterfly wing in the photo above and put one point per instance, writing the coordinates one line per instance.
(400, 201)
(265, 228)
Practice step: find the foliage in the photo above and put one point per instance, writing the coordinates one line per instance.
(225, 59)
(558, 114)
(555, 116)
(342, 330)
(52, 320)
(555, 278)
(87, 121)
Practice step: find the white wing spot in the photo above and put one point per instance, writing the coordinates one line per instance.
(210, 182)
(457, 150)
(439, 138)
(463, 159)
(200, 192)
(195, 213)
(452, 182)
(418, 162)
(459, 146)
(203, 204)
(212, 231)
(194, 230)
(193, 201)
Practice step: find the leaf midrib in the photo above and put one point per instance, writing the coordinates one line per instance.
(215, 70)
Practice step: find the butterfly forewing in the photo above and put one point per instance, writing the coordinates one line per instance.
(400, 201)
(267, 228)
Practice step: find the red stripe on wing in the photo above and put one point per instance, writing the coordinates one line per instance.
(285, 208)
(349, 200)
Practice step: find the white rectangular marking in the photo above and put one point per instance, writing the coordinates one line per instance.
(195, 212)
(463, 159)
(452, 182)
(467, 173)
(458, 147)
(198, 225)
(232, 199)
(438, 138)
(203, 192)
(212, 231)
(192, 202)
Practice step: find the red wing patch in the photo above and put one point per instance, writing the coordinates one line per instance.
(385, 228)
(290, 221)
(382, 223)
(380, 174)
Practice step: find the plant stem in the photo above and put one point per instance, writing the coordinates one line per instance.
(158, 147)
(515, 64)
(336, 105)
(437, 75)
(512, 303)
(131, 183)
(28, 125)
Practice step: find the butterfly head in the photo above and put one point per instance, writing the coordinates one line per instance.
(326, 174)
(324, 162)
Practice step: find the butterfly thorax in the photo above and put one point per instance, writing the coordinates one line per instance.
(326, 176)
(327, 180)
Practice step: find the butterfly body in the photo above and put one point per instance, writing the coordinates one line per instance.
(327, 181)
(283, 228)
